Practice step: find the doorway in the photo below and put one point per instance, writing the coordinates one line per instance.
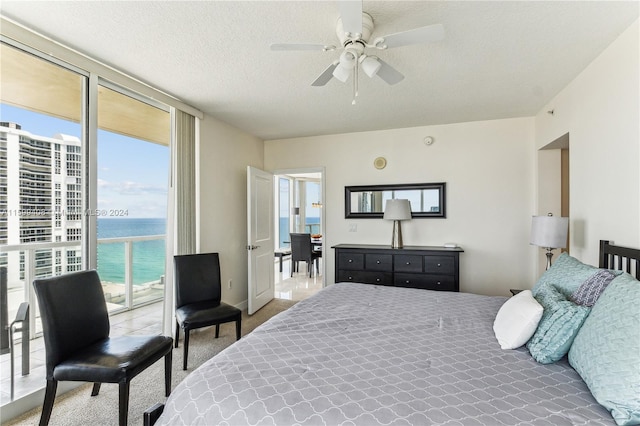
(299, 201)
(554, 186)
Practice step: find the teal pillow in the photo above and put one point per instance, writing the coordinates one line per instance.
(567, 274)
(606, 351)
(561, 321)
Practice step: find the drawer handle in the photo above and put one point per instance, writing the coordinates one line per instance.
(350, 278)
(377, 280)
(439, 265)
(378, 262)
(350, 260)
(408, 263)
(407, 282)
(438, 283)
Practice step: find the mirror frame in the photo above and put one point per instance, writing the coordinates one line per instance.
(440, 186)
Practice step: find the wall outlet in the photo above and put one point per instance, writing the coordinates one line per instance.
(353, 227)
(229, 283)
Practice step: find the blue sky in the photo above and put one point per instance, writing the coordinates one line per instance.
(132, 174)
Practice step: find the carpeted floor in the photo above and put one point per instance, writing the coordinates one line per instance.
(78, 407)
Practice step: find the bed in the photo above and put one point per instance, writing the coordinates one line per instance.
(362, 354)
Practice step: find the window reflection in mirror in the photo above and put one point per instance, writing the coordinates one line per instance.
(427, 200)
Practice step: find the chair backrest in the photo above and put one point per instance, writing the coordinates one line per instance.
(73, 312)
(301, 247)
(197, 278)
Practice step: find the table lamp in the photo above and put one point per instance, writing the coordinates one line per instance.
(549, 232)
(397, 210)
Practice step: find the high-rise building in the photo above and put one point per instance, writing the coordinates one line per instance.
(40, 200)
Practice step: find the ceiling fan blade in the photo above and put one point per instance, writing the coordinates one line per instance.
(351, 15)
(294, 46)
(415, 36)
(389, 74)
(326, 75)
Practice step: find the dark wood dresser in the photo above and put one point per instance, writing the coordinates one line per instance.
(426, 267)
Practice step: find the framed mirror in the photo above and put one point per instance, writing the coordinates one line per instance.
(368, 201)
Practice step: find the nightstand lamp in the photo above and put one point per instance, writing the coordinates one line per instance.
(397, 210)
(549, 232)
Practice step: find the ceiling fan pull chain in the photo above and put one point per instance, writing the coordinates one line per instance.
(355, 83)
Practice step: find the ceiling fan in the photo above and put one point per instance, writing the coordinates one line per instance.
(354, 29)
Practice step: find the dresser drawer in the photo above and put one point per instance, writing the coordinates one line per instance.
(407, 263)
(378, 262)
(352, 261)
(439, 265)
(427, 282)
(366, 277)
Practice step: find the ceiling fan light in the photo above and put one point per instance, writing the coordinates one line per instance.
(348, 58)
(371, 66)
(342, 73)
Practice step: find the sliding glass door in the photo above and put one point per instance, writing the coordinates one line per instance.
(133, 166)
(285, 216)
(66, 194)
(41, 178)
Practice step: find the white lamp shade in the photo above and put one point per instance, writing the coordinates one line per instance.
(397, 210)
(549, 231)
(371, 66)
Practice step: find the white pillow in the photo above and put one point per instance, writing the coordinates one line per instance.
(517, 320)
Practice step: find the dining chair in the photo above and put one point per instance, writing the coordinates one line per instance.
(198, 293)
(75, 325)
(302, 251)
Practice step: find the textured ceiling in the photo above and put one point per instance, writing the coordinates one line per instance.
(498, 59)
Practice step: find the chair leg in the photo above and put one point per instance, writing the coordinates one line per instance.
(96, 389)
(186, 349)
(177, 334)
(124, 403)
(167, 373)
(238, 328)
(217, 330)
(310, 267)
(49, 397)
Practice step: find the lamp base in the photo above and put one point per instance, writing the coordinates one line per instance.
(396, 237)
(549, 255)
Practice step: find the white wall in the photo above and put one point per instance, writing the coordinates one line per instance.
(489, 173)
(225, 153)
(491, 170)
(601, 111)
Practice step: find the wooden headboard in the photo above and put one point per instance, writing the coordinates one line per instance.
(621, 258)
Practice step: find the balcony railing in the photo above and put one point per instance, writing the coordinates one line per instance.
(21, 262)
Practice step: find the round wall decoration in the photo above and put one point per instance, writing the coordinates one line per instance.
(380, 163)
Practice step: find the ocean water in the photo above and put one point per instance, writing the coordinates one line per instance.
(284, 229)
(148, 256)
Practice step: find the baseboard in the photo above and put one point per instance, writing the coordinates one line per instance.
(243, 305)
(35, 399)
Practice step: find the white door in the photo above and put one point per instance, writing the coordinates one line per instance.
(260, 234)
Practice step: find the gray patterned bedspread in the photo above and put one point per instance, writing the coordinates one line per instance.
(359, 354)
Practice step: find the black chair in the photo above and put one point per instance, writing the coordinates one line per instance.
(302, 251)
(75, 324)
(198, 293)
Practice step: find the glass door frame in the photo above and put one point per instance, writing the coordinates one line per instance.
(89, 165)
(129, 302)
(290, 173)
(29, 267)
